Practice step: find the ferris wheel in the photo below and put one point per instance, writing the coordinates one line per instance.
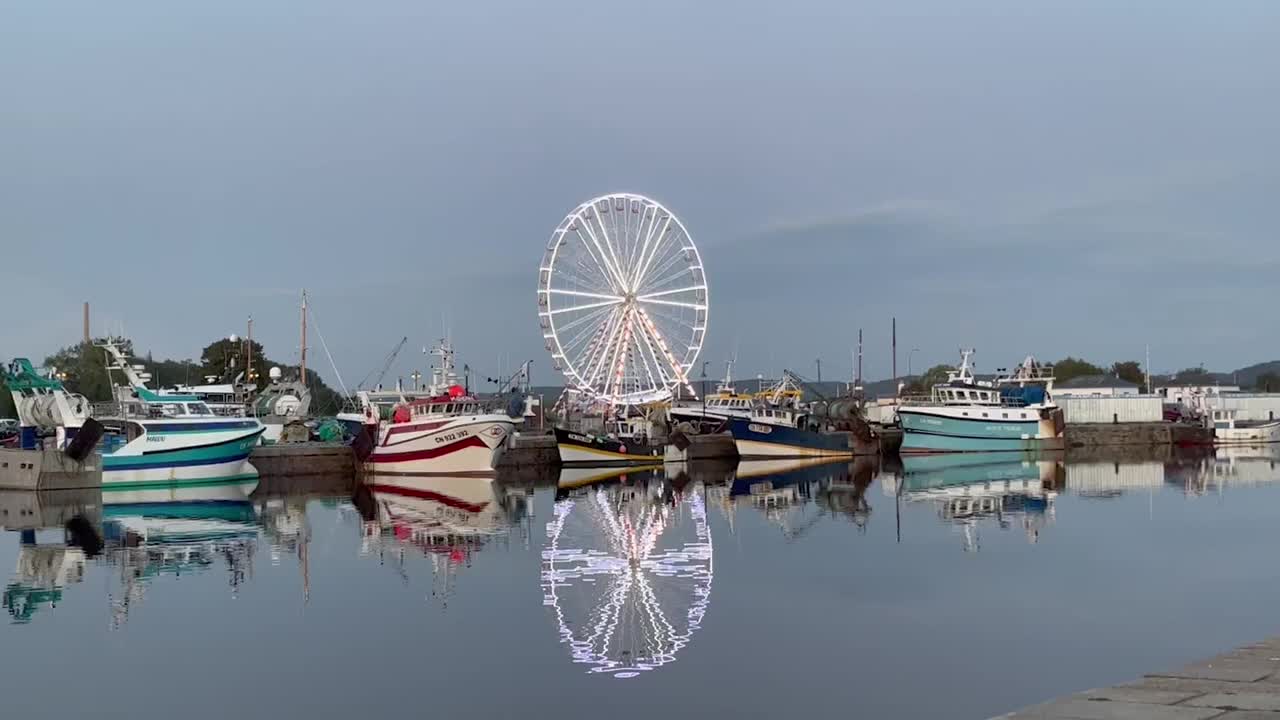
(623, 300)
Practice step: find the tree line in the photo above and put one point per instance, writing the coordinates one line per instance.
(1071, 367)
(83, 369)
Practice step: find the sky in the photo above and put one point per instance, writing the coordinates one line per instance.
(1053, 178)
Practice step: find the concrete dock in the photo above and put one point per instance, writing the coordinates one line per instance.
(1243, 684)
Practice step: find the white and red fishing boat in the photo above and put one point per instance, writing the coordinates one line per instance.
(443, 431)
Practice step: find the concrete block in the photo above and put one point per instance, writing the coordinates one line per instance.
(1077, 708)
(1225, 670)
(1239, 701)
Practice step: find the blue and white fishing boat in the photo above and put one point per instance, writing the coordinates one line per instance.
(964, 414)
(787, 432)
(168, 441)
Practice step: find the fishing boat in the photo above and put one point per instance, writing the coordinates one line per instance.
(625, 441)
(787, 432)
(716, 408)
(447, 432)
(1228, 429)
(155, 440)
(964, 414)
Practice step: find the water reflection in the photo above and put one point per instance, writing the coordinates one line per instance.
(150, 534)
(627, 568)
(445, 518)
(972, 490)
(795, 495)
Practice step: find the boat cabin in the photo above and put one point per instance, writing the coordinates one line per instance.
(776, 415)
(949, 395)
(729, 402)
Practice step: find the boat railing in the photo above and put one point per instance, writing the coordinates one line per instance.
(930, 401)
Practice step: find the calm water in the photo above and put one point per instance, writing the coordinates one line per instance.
(951, 587)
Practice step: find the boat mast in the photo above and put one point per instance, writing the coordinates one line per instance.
(248, 365)
(302, 368)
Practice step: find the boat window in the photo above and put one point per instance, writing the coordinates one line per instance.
(984, 414)
(1004, 415)
(173, 409)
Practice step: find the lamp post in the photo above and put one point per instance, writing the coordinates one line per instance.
(704, 391)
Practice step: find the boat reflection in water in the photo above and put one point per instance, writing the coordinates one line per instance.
(626, 568)
(795, 494)
(152, 533)
(1004, 488)
(1228, 466)
(141, 534)
(447, 518)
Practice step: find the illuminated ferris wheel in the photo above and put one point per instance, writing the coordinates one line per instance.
(622, 300)
(628, 572)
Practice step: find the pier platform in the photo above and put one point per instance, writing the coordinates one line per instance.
(1243, 684)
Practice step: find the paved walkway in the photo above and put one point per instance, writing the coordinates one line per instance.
(1243, 684)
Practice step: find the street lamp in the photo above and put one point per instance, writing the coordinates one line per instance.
(704, 391)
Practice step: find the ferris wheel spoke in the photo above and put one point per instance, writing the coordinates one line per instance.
(606, 250)
(667, 279)
(647, 325)
(648, 362)
(592, 246)
(657, 243)
(651, 296)
(599, 368)
(587, 306)
(676, 303)
(577, 293)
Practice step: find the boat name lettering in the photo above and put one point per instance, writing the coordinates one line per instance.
(580, 438)
(762, 429)
(155, 438)
(452, 436)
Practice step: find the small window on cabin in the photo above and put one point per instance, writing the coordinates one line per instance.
(984, 415)
(1004, 415)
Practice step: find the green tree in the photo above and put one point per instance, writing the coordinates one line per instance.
(1130, 370)
(225, 360)
(933, 376)
(83, 369)
(1267, 382)
(7, 408)
(1071, 367)
(1194, 376)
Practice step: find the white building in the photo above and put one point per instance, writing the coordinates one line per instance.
(1191, 395)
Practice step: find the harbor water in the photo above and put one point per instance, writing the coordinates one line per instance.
(936, 587)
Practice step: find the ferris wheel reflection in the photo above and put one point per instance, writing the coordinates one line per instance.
(627, 569)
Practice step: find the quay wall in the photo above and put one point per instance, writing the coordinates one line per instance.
(530, 451)
(1158, 433)
(307, 458)
(690, 448)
